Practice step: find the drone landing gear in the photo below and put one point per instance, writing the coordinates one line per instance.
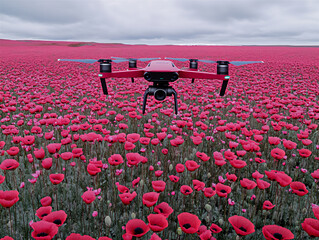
(160, 90)
(104, 87)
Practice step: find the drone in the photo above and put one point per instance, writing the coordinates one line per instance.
(161, 72)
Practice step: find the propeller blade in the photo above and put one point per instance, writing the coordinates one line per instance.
(147, 59)
(206, 61)
(119, 60)
(178, 59)
(79, 60)
(239, 63)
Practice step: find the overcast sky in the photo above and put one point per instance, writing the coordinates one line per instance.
(224, 22)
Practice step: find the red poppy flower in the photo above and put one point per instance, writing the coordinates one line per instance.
(173, 178)
(198, 185)
(261, 184)
(215, 228)
(133, 158)
(180, 168)
(188, 222)
(57, 217)
(6, 238)
(257, 175)
(222, 190)
(129, 146)
(145, 140)
(191, 165)
(177, 141)
(241, 153)
(274, 140)
(13, 151)
(93, 169)
(311, 226)
(247, 184)
(161, 136)
(44, 230)
(8, 198)
(298, 188)
(272, 175)
(127, 198)
(2, 143)
(115, 159)
(241, 225)
(202, 156)
(283, 179)
(66, 156)
(315, 174)
(56, 178)
(43, 211)
(258, 138)
(135, 182)
(158, 173)
(268, 205)
(158, 186)
(2, 178)
(201, 230)
(304, 152)
(315, 209)
(47, 163)
(88, 196)
(229, 155)
(28, 140)
(122, 189)
(273, 232)
(186, 190)
(206, 235)
(150, 198)
(77, 236)
(46, 201)
(236, 163)
(209, 192)
(53, 147)
(39, 153)
(277, 153)
(289, 144)
(133, 137)
(104, 238)
(136, 227)
(9, 164)
(231, 177)
(157, 222)
(164, 209)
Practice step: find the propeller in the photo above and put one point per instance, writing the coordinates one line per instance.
(236, 63)
(88, 60)
(120, 59)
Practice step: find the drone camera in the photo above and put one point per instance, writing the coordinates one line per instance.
(160, 94)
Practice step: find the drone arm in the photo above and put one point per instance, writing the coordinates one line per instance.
(200, 75)
(123, 74)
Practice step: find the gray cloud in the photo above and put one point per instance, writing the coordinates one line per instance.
(163, 21)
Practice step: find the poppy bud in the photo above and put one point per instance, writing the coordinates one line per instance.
(171, 167)
(221, 221)
(179, 231)
(207, 219)
(108, 221)
(209, 175)
(208, 207)
(133, 215)
(141, 183)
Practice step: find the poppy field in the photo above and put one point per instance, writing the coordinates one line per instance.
(76, 164)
